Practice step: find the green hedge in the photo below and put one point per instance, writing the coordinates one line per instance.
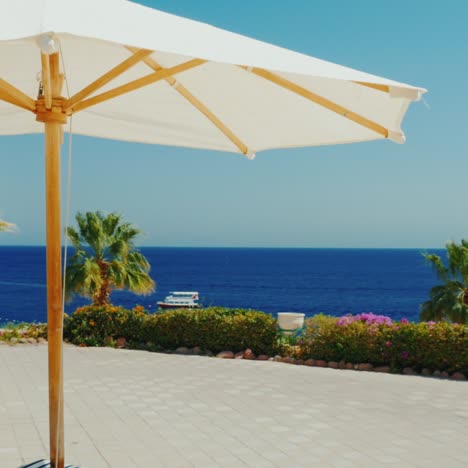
(436, 346)
(215, 328)
(101, 325)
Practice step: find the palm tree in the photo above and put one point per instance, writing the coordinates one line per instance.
(105, 258)
(449, 301)
(7, 227)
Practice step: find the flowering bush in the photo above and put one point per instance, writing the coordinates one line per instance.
(102, 325)
(23, 330)
(369, 338)
(436, 346)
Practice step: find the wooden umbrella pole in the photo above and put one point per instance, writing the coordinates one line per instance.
(53, 119)
(53, 136)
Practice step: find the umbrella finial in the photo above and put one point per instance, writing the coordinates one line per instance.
(48, 44)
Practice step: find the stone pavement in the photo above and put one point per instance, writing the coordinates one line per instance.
(134, 409)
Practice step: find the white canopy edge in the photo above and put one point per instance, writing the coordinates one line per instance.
(108, 20)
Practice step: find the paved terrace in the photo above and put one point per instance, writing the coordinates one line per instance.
(127, 409)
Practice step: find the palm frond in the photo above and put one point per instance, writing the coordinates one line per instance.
(110, 222)
(437, 265)
(449, 301)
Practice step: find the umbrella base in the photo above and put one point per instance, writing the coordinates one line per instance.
(43, 464)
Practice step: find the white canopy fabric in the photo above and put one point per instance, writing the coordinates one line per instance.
(242, 96)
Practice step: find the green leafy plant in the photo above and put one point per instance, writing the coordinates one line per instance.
(449, 301)
(215, 328)
(436, 346)
(23, 330)
(101, 325)
(105, 258)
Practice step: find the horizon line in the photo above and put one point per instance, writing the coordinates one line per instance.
(249, 247)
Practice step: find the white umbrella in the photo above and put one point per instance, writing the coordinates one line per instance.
(5, 226)
(138, 74)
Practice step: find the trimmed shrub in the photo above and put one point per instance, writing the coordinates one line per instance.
(379, 341)
(215, 328)
(438, 346)
(101, 325)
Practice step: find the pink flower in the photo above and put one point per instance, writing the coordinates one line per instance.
(345, 320)
(388, 344)
(371, 318)
(404, 320)
(367, 318)
(405, 354)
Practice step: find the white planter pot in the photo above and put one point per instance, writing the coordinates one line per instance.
(290, 322)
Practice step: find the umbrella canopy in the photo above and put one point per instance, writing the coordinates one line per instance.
(204, 87)
(6, 226)
(137, 74)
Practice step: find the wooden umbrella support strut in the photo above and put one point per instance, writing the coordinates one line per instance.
(49, 111)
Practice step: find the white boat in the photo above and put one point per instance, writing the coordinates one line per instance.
(180, 300)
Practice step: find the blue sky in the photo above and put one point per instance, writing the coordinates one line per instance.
(376, 194)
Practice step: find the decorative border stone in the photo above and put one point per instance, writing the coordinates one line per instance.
(248, 354)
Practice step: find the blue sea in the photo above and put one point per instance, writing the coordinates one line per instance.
(333, 281)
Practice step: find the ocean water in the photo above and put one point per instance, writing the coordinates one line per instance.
(334, 281)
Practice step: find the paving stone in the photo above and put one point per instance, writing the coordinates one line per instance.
(133, 408)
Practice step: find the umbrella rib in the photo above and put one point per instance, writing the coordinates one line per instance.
(320, 100)
(8, 98)
(122, 67)
(378, 87)
(13, 95)
(137, 84)
(183, 91)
